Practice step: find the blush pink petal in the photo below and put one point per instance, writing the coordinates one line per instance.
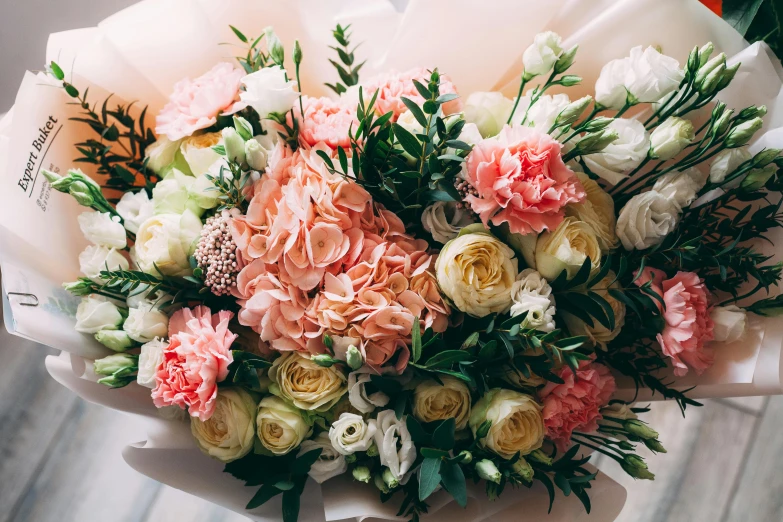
(392, 87)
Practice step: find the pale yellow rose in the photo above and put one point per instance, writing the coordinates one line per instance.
(476, 271)
(229, 433)
(599, 334)
(517, 424)
(280, 427)
(597, 210)
(198, 151)
(433, 401)
(566, 248)
(305, 384)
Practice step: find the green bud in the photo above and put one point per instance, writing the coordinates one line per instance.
(742, 133)
(596, 141)
(523, 469)
(256, 155)
(58, 182)
(350, 459)
(597, 124)
(297, 52)
(79, 288)
(465, 457)
(693, 60)
(122, 363)
(540, 457)
(487, 470)
(380, 484)
(765, 157)
(234, 144)
(625, 445)
(77, 174)
(276, 50)
(362, 474)
(117, 380)
(708, 67)
(719, 109)
(389, 479)
(372, 451)
(566, 60)
(116, 340)
(569, 80)
(636, 467)
(655, 445)
(752, 112)
(722, 123)
(640, 429)
(81, 193)
(325, 360)
(573, 111)
(728, 75)
(757, 178)
(354, 358)
(243, 127)
(705, 52)
(710, 82)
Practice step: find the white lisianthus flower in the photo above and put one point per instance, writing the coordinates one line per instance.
(729, 323)
(150, 359)
(350, 434)
(646, 219)
(727, 161)
(619, 411)
(408, 121)
(229, 433)
(96, 313)
(395, 445)
(681, 186)
(597, 210)
(164, 243)
(95, 259)
(198, 152)
(171, 195)
(330, 463)
(258, 150)
(135, 208)
(142, 294)
(566, 248)
(145, 323)
(543, 113)
(622, 155)
(433, 401)
(476, 271)
(269, 92)
(470, 134)
(598, 334)
(540, 57)
(488, 110)
(444, 220)
(161, 154)
(305, 384)
(281, 428)
(103, 229)
(517, 423)
(202, 191)
(358, 396)
(532, 294)
(646, 76)
(670, 138)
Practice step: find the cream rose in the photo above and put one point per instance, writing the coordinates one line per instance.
(229, 433)
(103, 229)
(164, 243)
(531, 294)
(359, 397)
(96, 313)
(646, 219)
(488, 110)
(134, 208)
(598, 333)
(280, 427)
(95, 259)
(202, 191)
(566, 248)
(395, 445)
(622, 155)
(350, 434)
(161, 154)
(444, 220)
(306, 384)
(145, 323)
(729, 323)
(517, 424)
(476, 271)
(330, 463)
(681, 187)
(150, 359)
(597, 210)
(450, 400)
(198, 152)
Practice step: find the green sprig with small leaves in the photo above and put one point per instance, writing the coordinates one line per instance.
(347, 69)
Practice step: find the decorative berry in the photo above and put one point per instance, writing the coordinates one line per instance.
(216, 255)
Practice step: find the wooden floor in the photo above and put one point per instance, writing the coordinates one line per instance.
(60, 459)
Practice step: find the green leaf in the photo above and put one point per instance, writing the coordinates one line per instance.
(447, 358)
(407, 140)
(57, 72)
(740, 13)
(453, 480)
(416, 111)
(434, 453)
(418, 435)
(488, 351)
(443, 436)
(416, 340)
(483, 429)
(291, 501)
(266, 492)
(423, 91)
(545, 480)
(239, 34)
(607, 309)
(470, 342)
(562, 482)
(429, 477)
(444, 98)
(302, 464)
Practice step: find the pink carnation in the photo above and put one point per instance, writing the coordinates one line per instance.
(196, 359)
(327, 121)
(521, 180)
(576, 404)
(195, 104)
(393, 87)
(687, 315)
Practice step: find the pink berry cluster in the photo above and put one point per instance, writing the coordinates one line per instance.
(216, 255)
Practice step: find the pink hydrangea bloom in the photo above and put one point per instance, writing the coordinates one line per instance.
(196, 359)
(521, 180)
(393, 87)
(687, 316)
(576, 404)
(195, 104)
(327, 121)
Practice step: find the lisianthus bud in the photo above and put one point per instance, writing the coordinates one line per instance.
(705, 52)
(256, 155)
(756, 179)
(655, 445)
(380, 484)
(540, 457)
(640, 429)
(389, 479)
(742, 133)
(243, 127)
(727, 76)
(722, 122)
(325, 360)
(81, 193)
(712, 80)
(693, 60)
(297, 52)
(765, 157)
(465, 456)
(729, 323)
(362, 474)
(636, 467)
(372, 451)
(597, 124)
(114, 363)
(670, 138)
(58, 182)
(566, 60)
(78, 288)
(596, 142)
(569, 80)
(541, 56)
(116, 340)
(752, 112)
(710, 66)
(354, 357)
(573, 111)
(235, 145)
(523, 469)
(276, 49)
(350, 459)
(487, 470)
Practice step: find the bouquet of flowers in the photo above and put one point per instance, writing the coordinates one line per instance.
(415, 285)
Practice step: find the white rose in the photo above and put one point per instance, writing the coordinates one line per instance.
(145, 323)
(165, 241)
(622, 155)
(727, 161)
(95, 259)
(532, 294)
(670, 138)
(171, 195)
(566, 248)
(470, 134)
(517, 424)
(646, 76)
(150, 359)
(408, 122)
(646, 219)
(161, 154)
(229, 433)
(268, 91)
(280, 426)
(358, 396)
(257, 151)
(135, 208)
(103, 229)
(599, 334)
(681, 186)
(350, 434)
(305, 384)
(198, 152)
(729, 323)
(444, 220)
(395, 446)
(329, 464)
(96, 313)
(543, 113)
(541, 56)
(433, 401)
(476, 271)
(488, 110)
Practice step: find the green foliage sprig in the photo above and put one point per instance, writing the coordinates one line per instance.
(348, 69)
